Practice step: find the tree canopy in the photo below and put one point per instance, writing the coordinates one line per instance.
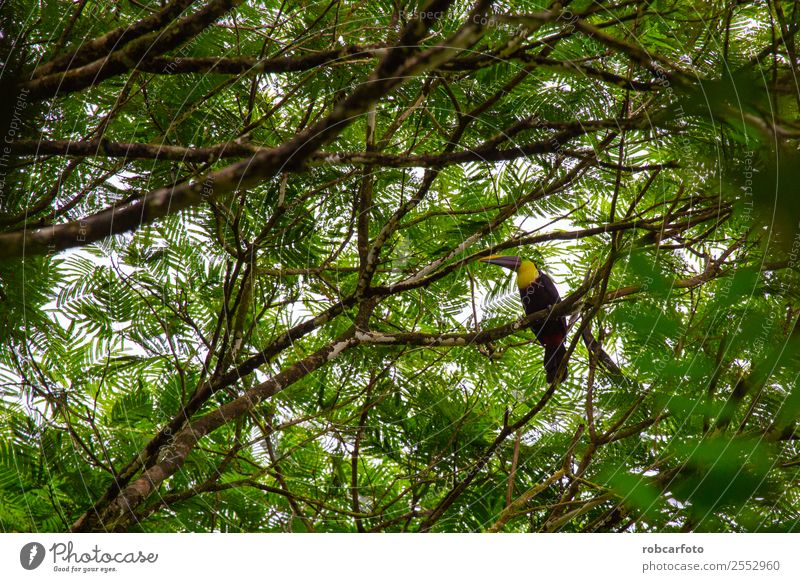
(239, 277)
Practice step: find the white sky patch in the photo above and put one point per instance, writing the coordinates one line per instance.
(299, 311)
(560, 85)
(117, 182)
(418, 173)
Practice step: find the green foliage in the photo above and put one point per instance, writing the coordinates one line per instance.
(671, 204)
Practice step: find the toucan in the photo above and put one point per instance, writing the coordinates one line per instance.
(538, 292)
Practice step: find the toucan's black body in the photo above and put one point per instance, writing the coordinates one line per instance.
(538, 292)
(551, 333)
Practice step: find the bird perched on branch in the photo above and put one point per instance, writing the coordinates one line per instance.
(538, 292)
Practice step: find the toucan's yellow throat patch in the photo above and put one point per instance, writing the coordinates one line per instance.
(527, 273)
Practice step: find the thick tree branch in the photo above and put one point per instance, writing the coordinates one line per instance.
(252, 66)
(124, 59)
(399, 65)
(102, 46)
